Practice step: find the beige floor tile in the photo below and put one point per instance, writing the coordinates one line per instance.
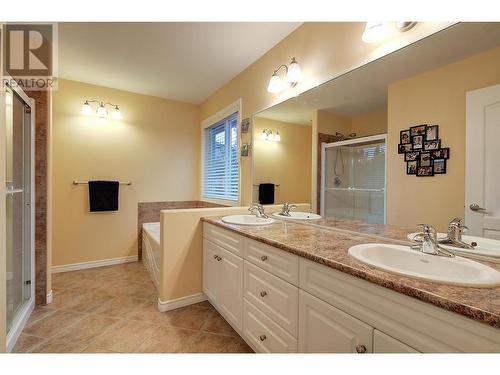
(119, 306)
(212, 343)
(55, 346)
(25, 343)
(125, 336)
(168, 340)
(217, 324)
(86, 302)
(53, 324)
(40, 312)
(94, 349)
(86, 329)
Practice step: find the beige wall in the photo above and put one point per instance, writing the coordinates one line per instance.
(331, 123)
(3, 277)
(364, 124)
(181, 258)
(324, 50)
(436, 97)
(156, 146)
(286, 163)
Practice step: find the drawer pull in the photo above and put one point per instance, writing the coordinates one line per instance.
(361, 349)
(263, 293)
(263, 258)
(262, 337)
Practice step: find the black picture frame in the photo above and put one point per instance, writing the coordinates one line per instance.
(412, 156)
(425, 171)
(415, 143)
(402, 138)
(432, 132)
(425, 159)
(418, 130)
(441, 153)
(403, 148)
(438, 162)
(428, 143)
(411, 167)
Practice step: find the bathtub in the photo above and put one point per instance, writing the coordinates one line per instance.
(151, 250)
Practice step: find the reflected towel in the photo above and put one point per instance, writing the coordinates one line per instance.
(266, 193)
(103, 195)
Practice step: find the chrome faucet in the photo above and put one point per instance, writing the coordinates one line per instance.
(258, 210)
(428, 243)
(287, 207)
(454, 236)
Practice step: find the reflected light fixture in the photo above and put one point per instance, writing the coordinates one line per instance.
(268, 135)
(293, 75)
(378, 31)
(101, 109)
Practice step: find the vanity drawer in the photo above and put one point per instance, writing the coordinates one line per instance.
(276, 298)
(264, 335)
(224, 238)
(278, 262)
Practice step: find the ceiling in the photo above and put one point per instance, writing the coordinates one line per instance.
(180, 61)
(365, 89)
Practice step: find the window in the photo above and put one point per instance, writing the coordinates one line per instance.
(220, 160)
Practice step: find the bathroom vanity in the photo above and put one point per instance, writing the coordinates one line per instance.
(291, 287)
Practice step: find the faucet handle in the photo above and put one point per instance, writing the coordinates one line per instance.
(428, 230)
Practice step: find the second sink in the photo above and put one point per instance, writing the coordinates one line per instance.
(247, 220)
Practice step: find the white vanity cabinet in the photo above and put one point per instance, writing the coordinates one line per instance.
(280, 302)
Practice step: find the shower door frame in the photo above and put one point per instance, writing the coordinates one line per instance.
(324, 146)
(24, 313)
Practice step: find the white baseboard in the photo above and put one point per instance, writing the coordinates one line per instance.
(50, 297)
(180, 302)
(93, 264)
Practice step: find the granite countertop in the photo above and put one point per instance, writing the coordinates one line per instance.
(327, 241)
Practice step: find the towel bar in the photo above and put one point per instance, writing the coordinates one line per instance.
(274, 185)
(86, 182)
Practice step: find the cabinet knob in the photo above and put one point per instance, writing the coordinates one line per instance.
(262, 337)
(215, 256)
(219, 259)
(263, 293)
(361, 349)
(263, 258)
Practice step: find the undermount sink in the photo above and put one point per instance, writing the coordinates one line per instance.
(485, 246)
(247, 220)
(403, 260)
(296, 215)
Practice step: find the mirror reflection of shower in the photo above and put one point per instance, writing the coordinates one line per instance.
(339, 162)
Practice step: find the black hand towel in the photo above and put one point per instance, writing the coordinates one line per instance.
(266, 193)
(103, 195)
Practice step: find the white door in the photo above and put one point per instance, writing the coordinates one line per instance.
(482, 171)
(230, 274)
(210, 270)
(326, 329)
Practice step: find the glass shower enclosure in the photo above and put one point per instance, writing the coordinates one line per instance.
(19, 131)
(353, 183)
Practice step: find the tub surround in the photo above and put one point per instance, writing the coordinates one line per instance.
(149, 212)
(321, 242)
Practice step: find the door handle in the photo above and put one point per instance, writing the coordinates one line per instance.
(476, 207)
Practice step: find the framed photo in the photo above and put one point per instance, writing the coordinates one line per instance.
(418, 130)
(425, 159)
(418, 142)
(404, 137)
(431, 133)
(425, 171)
(442, 153)
(439, 166)
(245, 125)
(432, 145)
(412, 156)
(411, 167)
(405, 148)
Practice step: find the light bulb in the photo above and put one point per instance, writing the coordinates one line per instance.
(116, 113)
(375, 32)
(101, 111)
(263, 135)
(275, 84)
(294, 74)
(277, 136)
(86, 108)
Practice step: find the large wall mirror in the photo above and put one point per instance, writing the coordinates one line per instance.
(336, 146)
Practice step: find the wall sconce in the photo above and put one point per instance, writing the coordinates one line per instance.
(377, 31)
(293, 75)
(101, 109)
(267, 135)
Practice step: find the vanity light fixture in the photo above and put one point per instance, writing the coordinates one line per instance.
(101, 109)
(268, 135)
(293, 75)
(379, 30)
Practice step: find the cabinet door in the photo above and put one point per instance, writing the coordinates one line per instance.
(383, 343)
(230, 287)
(210, 271)
(326, 329)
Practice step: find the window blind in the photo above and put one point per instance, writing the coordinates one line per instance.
(221, 164)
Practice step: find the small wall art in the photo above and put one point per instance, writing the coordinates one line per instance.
(422, 150)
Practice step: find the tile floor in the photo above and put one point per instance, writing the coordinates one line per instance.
(113, 310)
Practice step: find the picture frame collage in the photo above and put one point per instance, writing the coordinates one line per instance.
(422, 150)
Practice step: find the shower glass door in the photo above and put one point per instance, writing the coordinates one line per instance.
(18, 204)
(353, 179)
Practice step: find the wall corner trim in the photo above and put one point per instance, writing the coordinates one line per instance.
(93, 264)
(173, 304)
